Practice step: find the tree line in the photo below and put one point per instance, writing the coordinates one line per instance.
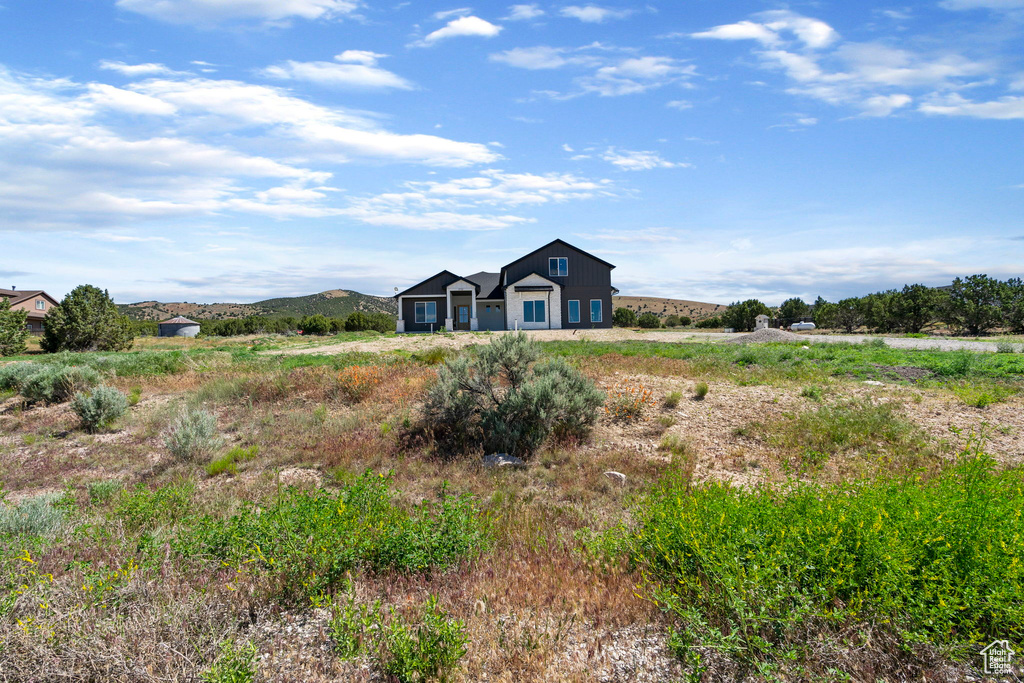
(316, 324)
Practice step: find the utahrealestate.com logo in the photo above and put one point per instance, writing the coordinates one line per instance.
(998, 657)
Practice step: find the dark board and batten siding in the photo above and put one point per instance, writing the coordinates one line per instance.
(588, 278)
(409, 313)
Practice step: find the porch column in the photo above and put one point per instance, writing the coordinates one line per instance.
(474, 324)
(449, 320)
(400, 323)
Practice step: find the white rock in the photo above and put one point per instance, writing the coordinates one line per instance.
(503, 460)
(618, 476)
(874, 383)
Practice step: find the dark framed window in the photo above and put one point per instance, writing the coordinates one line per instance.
(426, 311)
(595, 311)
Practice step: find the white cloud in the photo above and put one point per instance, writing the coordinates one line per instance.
(463, 26)
(636, 75)
(123, 238)
(873, 78)
(982, 4)
(593, 14)
(535, 58)
(211, 12)
(137, 70)
(445, 14)
(524, 12)
(128, 102)
(681, 105)
(358, 71)
(1005, 108)
(638, 160)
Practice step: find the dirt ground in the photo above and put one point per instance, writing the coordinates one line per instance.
(421, 342)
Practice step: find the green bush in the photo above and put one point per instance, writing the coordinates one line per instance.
(673, 398)
(14, 375)
(193, 435)
(236, 663)
(648, 321)
(352, 626)
(623, 317)
(428, 651)
(672, 320)
(310, 540)
(753, 570)
(13, 329)
(507, 402)
(741, 315)
(145, 508)
(709, 323)
(700, 391)
(360, 321)
(87, 320)
(102, 491)
(58, 383)
(35, 516)
(99, 408)
(317, 324)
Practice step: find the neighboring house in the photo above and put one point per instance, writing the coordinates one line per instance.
(555, 287)
(37, 302)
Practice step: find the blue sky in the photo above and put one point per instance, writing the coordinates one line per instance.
(233, 150)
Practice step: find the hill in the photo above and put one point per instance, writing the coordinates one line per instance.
(696, 310)
(332, 303)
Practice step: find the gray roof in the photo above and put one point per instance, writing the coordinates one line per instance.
(490, 284)
(180, 320)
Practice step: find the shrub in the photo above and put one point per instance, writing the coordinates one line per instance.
(507, 402)
(1005, 347)
(710, 323)
(623, 317)
(87, 320)
(99, 408)
(752, 570)
(102, 491)
(229, 461)
(685, 320)
(352, 625)
(236, 663)
(627, 401)
(317, 324)
(193, 435)
(429, 651)
(14, 375)
(741, 315)
(58, 383)
(357, 382)
(359, 321)
(308, 541)
(812, 392)
(672, 320)
(648, 321)
(673, 398)
(700, 391)
(35, 516)
(13, 329)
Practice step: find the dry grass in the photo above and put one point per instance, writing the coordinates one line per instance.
(535, 607)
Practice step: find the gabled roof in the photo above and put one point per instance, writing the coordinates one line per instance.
(564, 244)
(542, 277)
(180, 320)
(18, 295)
(490, 284)
(443, 272)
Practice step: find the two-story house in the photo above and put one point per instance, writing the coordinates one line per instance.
(555, 287)
(37, 302)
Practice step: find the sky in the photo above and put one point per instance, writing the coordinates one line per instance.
(714, 150)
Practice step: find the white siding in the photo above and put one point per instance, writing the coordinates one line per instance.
(552, 304)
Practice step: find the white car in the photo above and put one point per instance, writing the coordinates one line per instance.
(801, 326)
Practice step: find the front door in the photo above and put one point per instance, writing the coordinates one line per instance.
(462, 317)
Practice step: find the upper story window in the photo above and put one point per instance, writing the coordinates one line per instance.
(558, 266)
(40, 305)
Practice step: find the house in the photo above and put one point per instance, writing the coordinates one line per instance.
(555, 287)
(37, 302)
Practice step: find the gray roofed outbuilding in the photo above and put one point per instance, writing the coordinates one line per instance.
(178, 327)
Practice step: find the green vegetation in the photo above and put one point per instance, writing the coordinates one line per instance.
(624, 317)
(507, 402)
(193, 435)
(236, 663)
(792, 310)
(648, 321)
(742, 315)
(428, 651)
(700, 391)
(56, 383)
(87, 320)
(99, 408)
(36, 516)
(309, 540)
(673, 398)
(13, 329)
(750, 572)
(229, 461)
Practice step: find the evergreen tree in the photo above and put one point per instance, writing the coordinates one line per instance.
(13, 329)
(87, 320)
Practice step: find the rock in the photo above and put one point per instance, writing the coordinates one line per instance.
(618, 476)
(503, 460)
(874, 383)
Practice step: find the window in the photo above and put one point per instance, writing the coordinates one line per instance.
(487, 308)
(595, 310)
(558, 266)
(533, 312)
(40, 305)
(574, 311)
(426, 311)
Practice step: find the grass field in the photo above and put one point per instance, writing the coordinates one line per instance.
(837, 512)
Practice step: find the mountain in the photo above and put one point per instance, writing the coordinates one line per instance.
(332, 303)
(697, 310)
